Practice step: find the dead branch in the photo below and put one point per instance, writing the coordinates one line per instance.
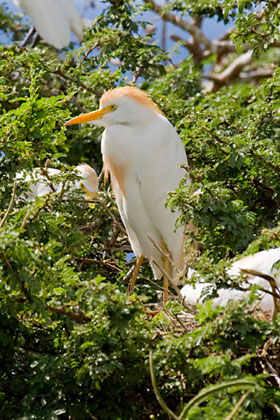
(273, 285)
(96, 261)
(272, 371)
(231, 72)
(194, 30)
(193, 48)
(121, 228)
(257, 74)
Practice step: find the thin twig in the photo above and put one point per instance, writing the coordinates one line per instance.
(273, 285)
(194, 30)
(262, 158)
(205, 393)
(110, 214)
(176, 317)
(174, 285)
(156, 390)
(6, 215)
(6, 260)
(95, 45)
(272, 370)
(128, 274)
(43, 206)
(94, 260)
(45, 172)
(164, 254)
(25, 219)
(237, 406)
(90, 226)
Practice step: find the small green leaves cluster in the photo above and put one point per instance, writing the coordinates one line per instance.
(231, 140)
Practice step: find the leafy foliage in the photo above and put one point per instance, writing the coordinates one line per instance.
(72, 343)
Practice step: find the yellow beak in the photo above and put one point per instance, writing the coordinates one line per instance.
(90, 116)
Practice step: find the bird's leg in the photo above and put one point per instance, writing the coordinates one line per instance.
(168, 270)
(135, 274)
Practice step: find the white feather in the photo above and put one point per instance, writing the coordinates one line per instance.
(53, 19)
(40, 186)
(262, 261)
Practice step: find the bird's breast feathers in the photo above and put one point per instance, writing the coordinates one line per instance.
(148, 155)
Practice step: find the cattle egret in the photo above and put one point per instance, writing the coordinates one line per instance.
(261, 261)
(88, 184)
(54, 20)
(142, 152)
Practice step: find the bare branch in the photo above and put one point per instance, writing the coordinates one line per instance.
(257, 74)
(193, 48)
(237, 406)
(194, 30)
(156, 390)
(121, 228)
(231, 72)
(272, 371)
(6, 215)
(273, 286)
(25, 219)
(106, 263)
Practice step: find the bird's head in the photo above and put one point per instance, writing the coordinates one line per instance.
(124, 105)
(89, 181)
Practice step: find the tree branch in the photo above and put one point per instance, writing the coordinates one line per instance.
(194, 30)
(6, 215)
(231, 72)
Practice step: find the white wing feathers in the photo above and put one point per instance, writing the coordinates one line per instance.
(170, 154)
(261, 261)
(53, 19)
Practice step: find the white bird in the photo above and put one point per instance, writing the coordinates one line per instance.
(54, 20)
(261, 262)
(142, 152)
(88, 184)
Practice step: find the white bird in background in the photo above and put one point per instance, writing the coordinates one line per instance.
(142, 152)
(262, 262)
(54, 20)
(88, 184)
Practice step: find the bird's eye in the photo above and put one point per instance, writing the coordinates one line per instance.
(113, 107)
